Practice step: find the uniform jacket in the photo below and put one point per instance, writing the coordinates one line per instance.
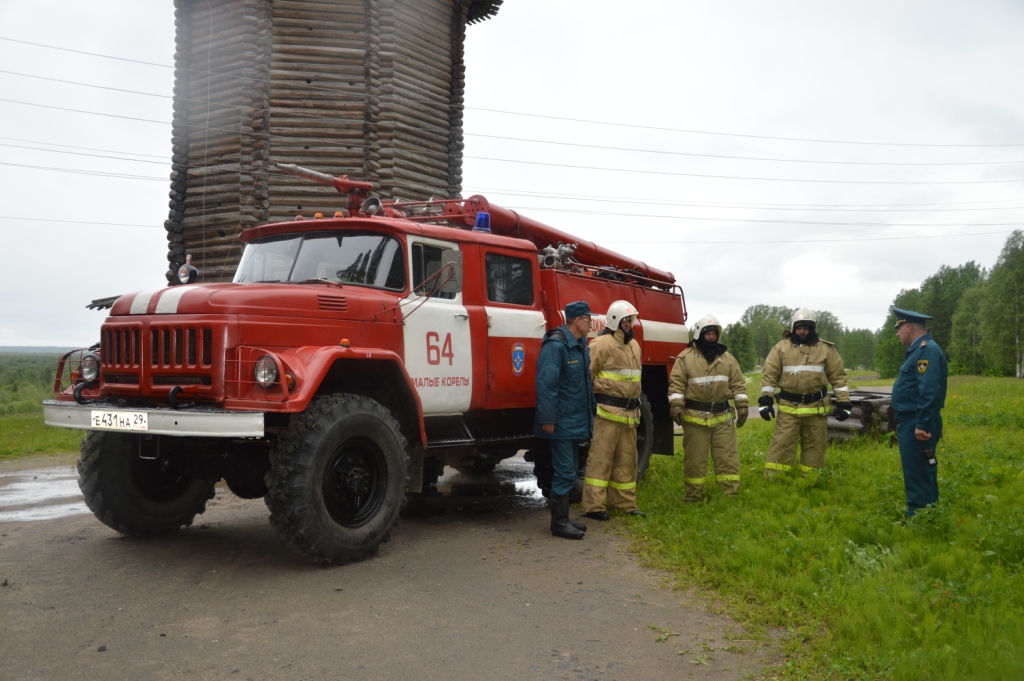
(920, 389)
(694, 379)
(565, 391)
(801, 369)
(615, 367)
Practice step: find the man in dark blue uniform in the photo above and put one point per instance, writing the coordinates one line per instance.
(565, 408)
(917, 398)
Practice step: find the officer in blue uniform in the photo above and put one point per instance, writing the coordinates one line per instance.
(917, 398)
(565, 408)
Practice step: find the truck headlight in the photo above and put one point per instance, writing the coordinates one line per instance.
(90, 368)
(265, 372)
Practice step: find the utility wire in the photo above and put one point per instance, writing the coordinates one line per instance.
(543, 116)
(99, 173)
(69, 146)
(662, 152)
(165, 162)
(571, 166)
(737, 177)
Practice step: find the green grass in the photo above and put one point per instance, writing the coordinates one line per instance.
(25, 434)
(25, 381)
(861, 592)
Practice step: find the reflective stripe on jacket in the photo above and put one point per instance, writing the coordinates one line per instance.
(804, 369)
(693, 378)
(616, 368)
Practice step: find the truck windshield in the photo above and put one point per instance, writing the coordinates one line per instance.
(351, 258)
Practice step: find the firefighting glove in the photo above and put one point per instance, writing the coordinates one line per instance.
(843, 411)
(766, 407)
(677, 413)
(742, 412)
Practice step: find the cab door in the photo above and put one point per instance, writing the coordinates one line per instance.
(515, 327)
(438, 350)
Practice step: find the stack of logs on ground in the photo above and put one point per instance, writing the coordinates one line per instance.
(368, 88)
(872, 415)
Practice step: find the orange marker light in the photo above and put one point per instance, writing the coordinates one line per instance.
(345, 343)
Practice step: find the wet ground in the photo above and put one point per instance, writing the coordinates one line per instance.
(471, 586)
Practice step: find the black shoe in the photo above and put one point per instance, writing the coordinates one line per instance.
(637, 511)
(579, 526)
(560, 525)
(598, 515)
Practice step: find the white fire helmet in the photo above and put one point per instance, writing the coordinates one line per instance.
(804, 315)
(617, 311)
(706, 322)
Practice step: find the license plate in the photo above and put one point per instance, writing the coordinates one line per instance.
(120, 420)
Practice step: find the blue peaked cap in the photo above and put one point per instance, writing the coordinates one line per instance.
(577, 309)
(909, 316)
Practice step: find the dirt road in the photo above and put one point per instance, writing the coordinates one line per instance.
(472, 586)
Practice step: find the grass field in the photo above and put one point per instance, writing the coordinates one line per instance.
(862, 592)
(25, 381)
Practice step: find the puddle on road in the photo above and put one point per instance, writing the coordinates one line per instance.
(42, 494)
(49, 493)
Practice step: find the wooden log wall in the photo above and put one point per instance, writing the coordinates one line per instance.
(368, 88)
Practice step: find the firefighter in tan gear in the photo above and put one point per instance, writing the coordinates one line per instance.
(797, 374)
(615, 364)
(705, 377)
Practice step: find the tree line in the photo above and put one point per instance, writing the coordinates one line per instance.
(979, 322)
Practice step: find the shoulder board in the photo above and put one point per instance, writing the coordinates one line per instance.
(923, 344)
(827, 342)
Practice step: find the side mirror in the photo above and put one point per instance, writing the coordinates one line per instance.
(453, 278)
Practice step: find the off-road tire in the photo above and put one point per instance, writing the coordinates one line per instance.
(137, 496)
(337, 479)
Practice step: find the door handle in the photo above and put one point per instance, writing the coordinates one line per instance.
(461, 315)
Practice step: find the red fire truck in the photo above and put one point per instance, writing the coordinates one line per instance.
(349, 361)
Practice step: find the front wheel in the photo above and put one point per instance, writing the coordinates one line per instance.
(337, 479)
(133, 488)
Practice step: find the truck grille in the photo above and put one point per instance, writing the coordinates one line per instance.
(175, 347)
(120, 348)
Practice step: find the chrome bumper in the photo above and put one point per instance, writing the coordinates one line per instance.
(186, 422)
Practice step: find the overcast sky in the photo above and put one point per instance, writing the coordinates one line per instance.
(879, 140)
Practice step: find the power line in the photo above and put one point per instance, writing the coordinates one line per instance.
(81, 222)
(76, 171)
(695, 218)
(529, 140)
(564, 165)
(867, 208)
(69, 146)
(812, 241)
(78, 153)
(544, 116)
(737, 177)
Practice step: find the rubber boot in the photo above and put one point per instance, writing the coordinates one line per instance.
(560, 526)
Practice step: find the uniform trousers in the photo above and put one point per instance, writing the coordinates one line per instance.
(920, 477)
(611, 468)
(718, 439)
(565, 462)
(809, 431)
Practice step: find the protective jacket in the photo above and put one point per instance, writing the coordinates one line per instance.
(705, 388)
(799, 375)
(920, 389)
(615, 367)
(565, 391)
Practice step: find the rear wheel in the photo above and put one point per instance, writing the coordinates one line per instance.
(337, 479)
(135, 495)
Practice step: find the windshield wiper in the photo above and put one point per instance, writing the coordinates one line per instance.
(318, 280)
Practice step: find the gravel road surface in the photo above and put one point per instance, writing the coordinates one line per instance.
(471, 586)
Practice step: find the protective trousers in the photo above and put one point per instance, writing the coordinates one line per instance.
(920, 468)
(720, 440)
(565, 464)
(611, 468)
(810, 432)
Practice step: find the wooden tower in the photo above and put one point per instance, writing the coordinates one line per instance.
(368, 88)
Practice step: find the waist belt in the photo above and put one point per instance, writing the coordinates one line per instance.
(805, 398)
(620, 402)
(713, 407)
